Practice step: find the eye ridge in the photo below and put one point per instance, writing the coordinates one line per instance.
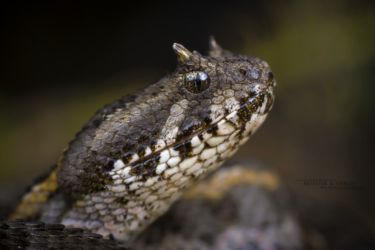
(197, 81)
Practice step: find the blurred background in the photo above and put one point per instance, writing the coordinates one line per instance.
(63, 60)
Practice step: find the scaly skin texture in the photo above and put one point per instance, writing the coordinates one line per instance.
(135, 157)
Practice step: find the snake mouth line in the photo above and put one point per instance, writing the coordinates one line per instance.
(227, 116)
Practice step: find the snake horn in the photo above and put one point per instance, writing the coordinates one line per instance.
(183, 54)
(215, 48)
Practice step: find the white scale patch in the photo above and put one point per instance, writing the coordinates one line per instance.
(160, 144)
(194, 168)
(135, 157)
(207, 153)
(196, 150)
(264, 105)
(176, 176)
(195, 141)
(164, 156)
(160, 168)
(216, 140)
(225, 128)
(188, 162)
(173, 161)
(222, 147)
(148, 151)
(118, 188)
(131, 179)
(119, 164)
(170, 172)
(173, 152)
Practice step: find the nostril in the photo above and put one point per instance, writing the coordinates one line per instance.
(242, 71)
(270, 76)
(252, 94)
(271, 79)
(250, 73)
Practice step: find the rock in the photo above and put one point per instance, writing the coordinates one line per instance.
(238, 207)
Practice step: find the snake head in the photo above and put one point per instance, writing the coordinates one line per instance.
(222, 84)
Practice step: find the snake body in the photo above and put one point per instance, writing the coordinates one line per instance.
(136, 156)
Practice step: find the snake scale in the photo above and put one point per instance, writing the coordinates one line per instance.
(136, 156)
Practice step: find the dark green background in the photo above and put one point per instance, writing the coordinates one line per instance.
(65, 59)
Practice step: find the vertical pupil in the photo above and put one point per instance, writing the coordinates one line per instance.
(198, 83)
(200, 80)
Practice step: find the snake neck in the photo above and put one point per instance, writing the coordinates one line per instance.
(132, 200)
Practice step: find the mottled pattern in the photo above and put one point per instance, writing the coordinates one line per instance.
(136, 156)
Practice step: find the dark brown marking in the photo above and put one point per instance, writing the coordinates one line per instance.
(109, 166)
(149, 167)
(121, 200)
(127, 157)
(213, 129)
(136, 170)
(244, 114)
(188, 128)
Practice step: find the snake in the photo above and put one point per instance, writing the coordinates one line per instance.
(136, 156)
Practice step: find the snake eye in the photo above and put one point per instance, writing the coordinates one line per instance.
(196, 82)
